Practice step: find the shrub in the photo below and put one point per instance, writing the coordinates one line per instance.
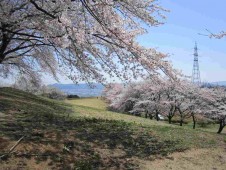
(73, 96)
(204, 123)
(55, 94)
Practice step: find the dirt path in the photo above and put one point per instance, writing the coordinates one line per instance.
(195, 159)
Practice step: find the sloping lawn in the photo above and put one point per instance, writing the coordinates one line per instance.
(82, 134)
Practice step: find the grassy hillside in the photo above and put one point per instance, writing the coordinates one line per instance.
(82, 134)
(200, 137)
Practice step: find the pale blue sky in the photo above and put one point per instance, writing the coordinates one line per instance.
(186, 19)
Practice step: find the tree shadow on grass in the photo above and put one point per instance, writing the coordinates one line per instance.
(71, 144)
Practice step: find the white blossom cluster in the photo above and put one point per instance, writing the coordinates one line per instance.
(84, 39)
(169, 98)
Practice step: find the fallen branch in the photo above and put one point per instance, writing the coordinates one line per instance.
(12, 148)
(30, 154)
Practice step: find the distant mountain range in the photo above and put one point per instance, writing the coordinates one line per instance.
(82, 90)
(219, 83)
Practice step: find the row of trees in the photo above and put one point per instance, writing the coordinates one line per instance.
(169, 98)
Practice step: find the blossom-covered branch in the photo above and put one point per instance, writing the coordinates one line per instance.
(84, 39)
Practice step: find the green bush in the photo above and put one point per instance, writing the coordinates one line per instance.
(204, 123)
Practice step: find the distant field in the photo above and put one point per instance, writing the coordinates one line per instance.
(92, 102)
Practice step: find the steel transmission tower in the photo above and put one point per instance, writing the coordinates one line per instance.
(196, 73)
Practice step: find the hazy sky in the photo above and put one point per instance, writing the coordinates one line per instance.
(186, 19)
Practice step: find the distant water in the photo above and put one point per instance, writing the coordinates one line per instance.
(82, 90)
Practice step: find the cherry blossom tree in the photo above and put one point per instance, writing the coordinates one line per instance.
(220, 35)
(28, 84)
(210, 102)
(151, 98)
(112, 93)
(126, 100)
(165, 98)
(84, 39)
(169, 98)
(191, 101)
(137, 98)
(217, 106)
(187, 99)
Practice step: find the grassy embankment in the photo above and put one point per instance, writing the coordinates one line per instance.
(82, 134)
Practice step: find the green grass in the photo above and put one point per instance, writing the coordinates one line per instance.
(188, 137)
(96, 108)
(94, 103)
(82, 134)
(16, 100)
(52, 125)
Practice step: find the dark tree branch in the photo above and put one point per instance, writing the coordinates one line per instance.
(4, 43)
(24, 47)
(42, 10)
(19, 33)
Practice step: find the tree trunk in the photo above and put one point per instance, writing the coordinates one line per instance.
(1, 58)
(222, 125)
(151, 117)
(194, 121)
(181, 117)
(4, 42)
(220, 129)
(170, 119)
(181, 122)
(157, 116)
(146, 115)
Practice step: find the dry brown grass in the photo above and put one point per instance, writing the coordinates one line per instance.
(194, 159)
